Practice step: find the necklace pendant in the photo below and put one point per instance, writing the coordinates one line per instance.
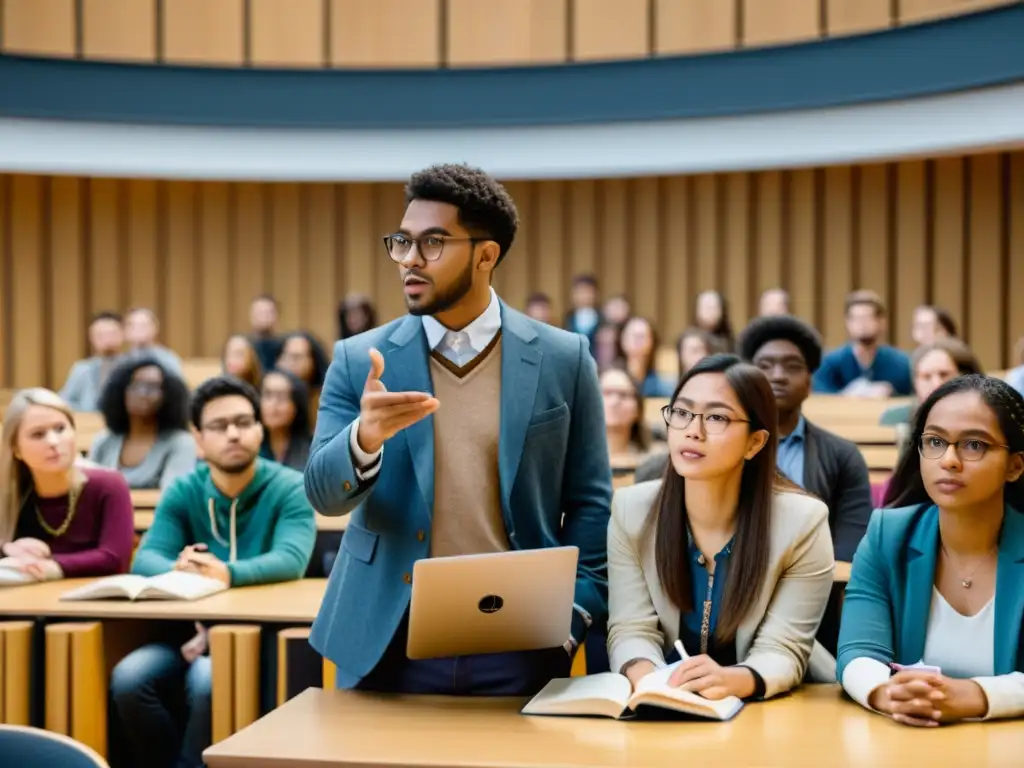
(966, 583)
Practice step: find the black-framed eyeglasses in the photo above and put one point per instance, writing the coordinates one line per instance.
(933, 447)
(713, 423)
(430, 247)
(240, 423)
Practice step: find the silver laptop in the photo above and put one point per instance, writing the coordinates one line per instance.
(493, 603)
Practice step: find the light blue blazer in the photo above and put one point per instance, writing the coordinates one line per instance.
(889, 596)
(552, 460)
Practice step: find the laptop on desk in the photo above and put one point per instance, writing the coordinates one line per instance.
(493, 603)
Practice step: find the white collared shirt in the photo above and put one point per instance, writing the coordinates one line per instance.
(481, 333)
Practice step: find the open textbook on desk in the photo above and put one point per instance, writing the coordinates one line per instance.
(173, 585)
(610, 694)
(11, 576)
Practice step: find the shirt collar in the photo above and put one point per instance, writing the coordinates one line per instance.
(481, 331)
(799, 434)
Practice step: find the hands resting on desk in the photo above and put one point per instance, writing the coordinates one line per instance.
(701, 675)
(196, 559)
(927, 699)
(32, 557)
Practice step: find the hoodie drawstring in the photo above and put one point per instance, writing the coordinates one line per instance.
(233, 547)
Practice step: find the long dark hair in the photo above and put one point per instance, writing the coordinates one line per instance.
(300, 428)
(173, 413)
(907, 487)
(748, 563)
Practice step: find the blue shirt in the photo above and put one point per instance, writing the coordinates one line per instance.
(790, 459)
(840, 368)
(690, 621)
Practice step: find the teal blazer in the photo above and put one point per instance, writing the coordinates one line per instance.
(888, 599)
(552, 461)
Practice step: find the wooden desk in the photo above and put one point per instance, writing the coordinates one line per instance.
(145, 498)
(293, 602)
(811, 728)
(880, 456)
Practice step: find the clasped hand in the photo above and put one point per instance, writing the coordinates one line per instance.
(383, 414)
(195, 559)
(926, 699)
(32, 557)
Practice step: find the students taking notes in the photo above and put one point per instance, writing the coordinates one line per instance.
(938, 580)
(724, 554)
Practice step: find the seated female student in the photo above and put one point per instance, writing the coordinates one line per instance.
(723, 552)
(147, 439)
(58, 518)
(239, 359)
(284, 411)
(939, 577)
(303, 355)
(623, 415)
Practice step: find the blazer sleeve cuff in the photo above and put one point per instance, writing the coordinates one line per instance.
(581, 621)
(862, 676)
(1005, 694)
(366, 465)
(635, 648)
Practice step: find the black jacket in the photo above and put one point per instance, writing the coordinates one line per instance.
(834, 471)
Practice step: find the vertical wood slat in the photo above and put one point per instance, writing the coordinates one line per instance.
(320, 279)
(388, 208)
(509, 32)
(780, 21)
(67, 264)
(248, 258)
(548, 256)
(615, 240)
(1015, 237)
(363, 34)
(769, 230)
(39, 27)
(216, 284)
(984, 319)
(646, 260)
(911, 248)
(123, 30)
(705, 225)
(179, 325)
(27, 289)
(802, 227)
(514, 277)
(737, 286)
(873, 230)
(949, 266)
(678, 226)
(850, 17)
(286, 260)
(107, 262)
(924, 10)
(837, 270)
(610, 29)
(143, 245)
(694, 26)
(287, 33)
(204, 32)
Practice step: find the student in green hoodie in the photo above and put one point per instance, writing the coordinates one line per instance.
(237, 518)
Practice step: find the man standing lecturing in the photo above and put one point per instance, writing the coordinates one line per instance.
(464, 427)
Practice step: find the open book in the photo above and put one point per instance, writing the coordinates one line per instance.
(173, 585)
(11, 576)
(609, 694)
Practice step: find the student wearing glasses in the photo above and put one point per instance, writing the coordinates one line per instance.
(938, 582)
(724, 554)
(237, 518)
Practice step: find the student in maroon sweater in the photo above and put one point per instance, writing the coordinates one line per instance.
(58, 518)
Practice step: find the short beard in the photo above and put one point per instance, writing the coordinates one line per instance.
(238, 468)
(447, 299)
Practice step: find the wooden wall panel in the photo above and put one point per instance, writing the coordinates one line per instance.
(509, 32)
(780, 21)
(610, 29)
(39, 27)
(946, 231)
(204, 32)
(119, 30)
(287, 33)
(693, 26)
(364, 33)
(922, 10)
(850, 17)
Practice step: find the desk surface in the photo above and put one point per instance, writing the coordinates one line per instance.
(814, 727)
(291, 601)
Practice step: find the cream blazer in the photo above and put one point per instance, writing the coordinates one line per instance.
(776, 639)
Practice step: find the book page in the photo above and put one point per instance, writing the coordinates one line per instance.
(125, 585)
(654, 690)
(180, 585)
(10, 576)
(603, 694)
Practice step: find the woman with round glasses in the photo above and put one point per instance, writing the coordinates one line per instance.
(723, 553)
(932, 619)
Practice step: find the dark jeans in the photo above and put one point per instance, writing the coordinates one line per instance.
(162, 704)
(496, 674)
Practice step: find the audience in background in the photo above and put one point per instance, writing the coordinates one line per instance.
(725, 529)
(284, 411)
(711, 315)
(616, 310)
(146, 439)
(240, 359)
(58, 518)
(263, 317)
(932, 365)
(237, 519)
(865, 366)
(538, 306)
(931, 323)
(774, 301)
(605, 346)
(356, 314)
(639, 345)
(303, 355)
(936, 581)
(141, 329)
(86, 378)
(583, 318)
(623, 414)
(693, 346)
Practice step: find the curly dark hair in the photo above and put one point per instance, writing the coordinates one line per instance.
(784, 327)
(320, 360)
(485, 207)
(173, 414)
(218, 387)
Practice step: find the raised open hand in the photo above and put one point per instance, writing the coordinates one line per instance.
(383, 414)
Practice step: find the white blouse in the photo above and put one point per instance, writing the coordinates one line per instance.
(961, 646)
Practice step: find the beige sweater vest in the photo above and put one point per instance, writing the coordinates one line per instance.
(467, 489)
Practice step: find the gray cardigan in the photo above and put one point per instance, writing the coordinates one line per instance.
(82, 389)
(172, 455)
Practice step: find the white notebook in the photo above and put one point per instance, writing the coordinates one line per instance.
(174, 585)
(609, 694)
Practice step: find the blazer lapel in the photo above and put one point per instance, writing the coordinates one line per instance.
(917, 599)
(1009, 605)
(407, 369)
(520, 373)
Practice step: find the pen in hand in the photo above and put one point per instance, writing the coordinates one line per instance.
(683, 655)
